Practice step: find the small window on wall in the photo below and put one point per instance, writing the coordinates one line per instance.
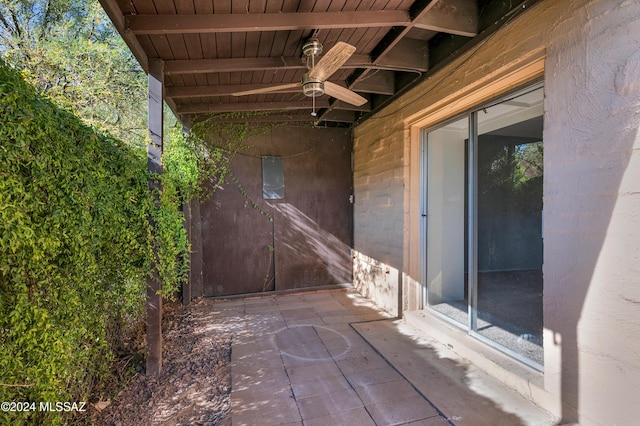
(272, 178)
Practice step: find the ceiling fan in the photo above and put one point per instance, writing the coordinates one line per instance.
(314, 82)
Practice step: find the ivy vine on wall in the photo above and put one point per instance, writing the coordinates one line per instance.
(75, 249)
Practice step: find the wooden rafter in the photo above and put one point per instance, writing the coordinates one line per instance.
(220, 90)
(458, 17)
(250, 64)
(230, 23)
(256, 106)
(322, 102)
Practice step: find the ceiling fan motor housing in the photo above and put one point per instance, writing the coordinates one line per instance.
(312, 47)
(312, 87)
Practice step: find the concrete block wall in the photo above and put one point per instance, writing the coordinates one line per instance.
(588, 52)
(379, 179)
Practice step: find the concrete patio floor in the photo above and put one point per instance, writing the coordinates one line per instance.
(307, 359)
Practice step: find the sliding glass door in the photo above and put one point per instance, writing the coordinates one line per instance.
(482, 205)
(445, 166)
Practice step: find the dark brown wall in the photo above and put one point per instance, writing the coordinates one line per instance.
(308, 242)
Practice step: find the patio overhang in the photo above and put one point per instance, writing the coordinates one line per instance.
(212, 49)
(223, 57)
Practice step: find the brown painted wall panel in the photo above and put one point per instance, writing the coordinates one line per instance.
(311, 228)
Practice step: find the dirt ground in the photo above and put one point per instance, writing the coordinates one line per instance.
(195, 385)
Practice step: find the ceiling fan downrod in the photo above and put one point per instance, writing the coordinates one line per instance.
(312, 87)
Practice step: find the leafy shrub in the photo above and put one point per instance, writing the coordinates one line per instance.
(76, 249)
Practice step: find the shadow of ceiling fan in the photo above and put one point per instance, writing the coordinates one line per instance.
(314, 82)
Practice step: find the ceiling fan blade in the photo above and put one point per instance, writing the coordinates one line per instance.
(343, 94)
(267, 89)
(332, 61)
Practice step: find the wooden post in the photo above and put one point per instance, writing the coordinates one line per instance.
(197, 288)
(186, 287)
(188, 224)
(154, 164)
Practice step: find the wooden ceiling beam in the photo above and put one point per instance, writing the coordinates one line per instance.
(377, 82)
(393, 37)
(212, 23)
(204, 66)
(458, 17)
(201, 66)
(221, 90)
(257, 106)
(408, 54)
(267, 118)
(321, 103)
(338, 116)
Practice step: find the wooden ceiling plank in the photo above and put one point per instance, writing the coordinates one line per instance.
(238, 43)
(178, 46)
(177, 80)
(458, 17)
(185, 7)
(126, 7)
(274, 6)
(394, 4)
(201, 80)
(243, 23)
(224, 78)
(213, 78)
(173, 80)
(164, 7)
(145, 7)
(162, 47)
(203, 6)
(293, 46)
(279, 43)
(189, 80)
(240, 78)
(265, 45)
(208, 45)
(257, 6)
(221, 6)
(194, 46)
(378, 4)
(223, 45)
(305, 5)
(147, 46)
(256, 77)
(372, 37)
(371, 5)
(251, 45)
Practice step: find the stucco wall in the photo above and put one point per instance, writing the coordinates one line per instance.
(590, 51)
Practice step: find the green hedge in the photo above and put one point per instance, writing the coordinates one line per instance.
(75, 249)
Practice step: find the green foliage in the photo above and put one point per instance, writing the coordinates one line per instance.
(198, 162)
(181, 164)
(170, 243)
(76, 249)
(71, 52)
